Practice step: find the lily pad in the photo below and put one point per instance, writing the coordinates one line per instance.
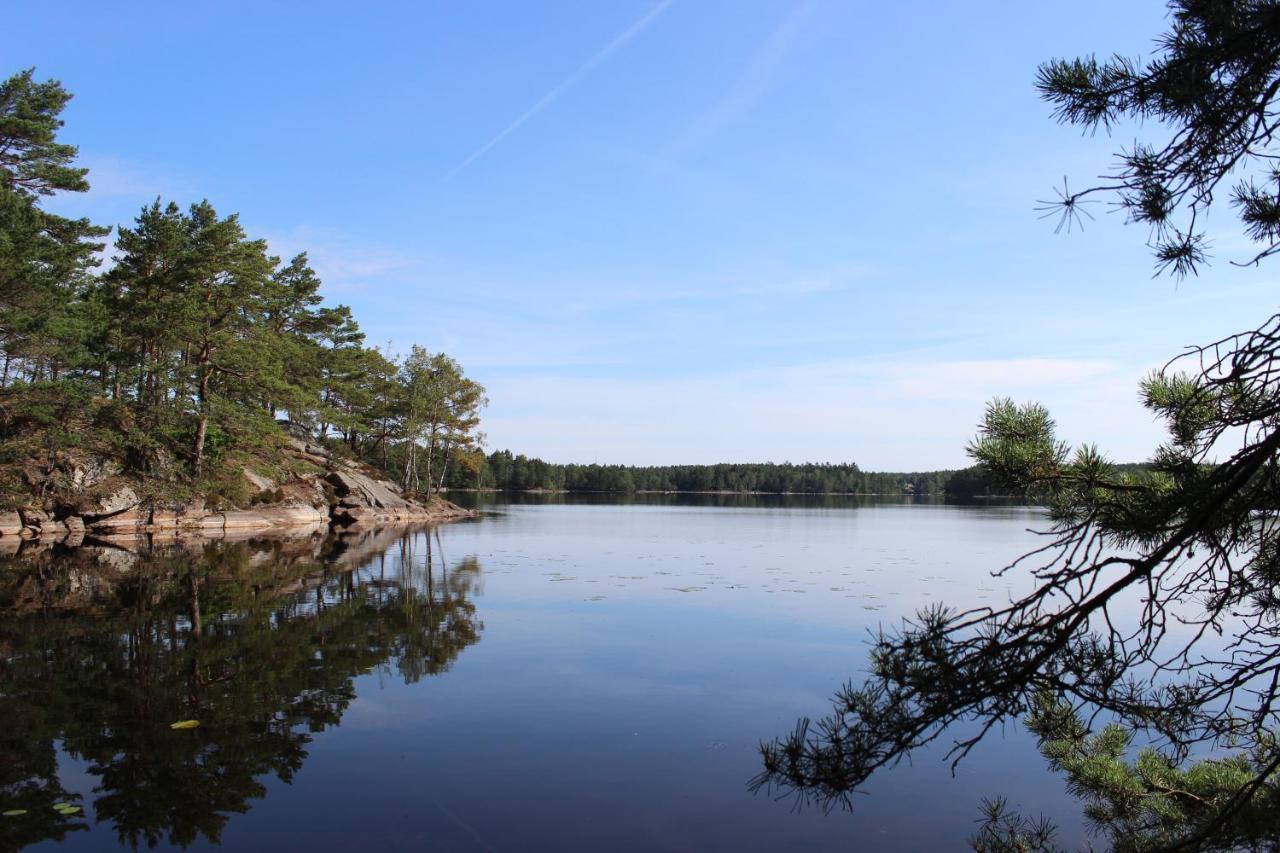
(13, 813)
(66, 809)
(185, 724)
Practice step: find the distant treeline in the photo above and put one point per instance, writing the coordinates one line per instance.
(505, 471)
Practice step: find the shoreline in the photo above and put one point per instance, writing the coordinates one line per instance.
(150, 538)
(338, 494)
(724, 493)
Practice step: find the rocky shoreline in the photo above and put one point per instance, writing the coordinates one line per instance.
(342, 494)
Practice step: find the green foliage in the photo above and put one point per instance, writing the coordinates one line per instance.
(1188, 541)
(1153, 802)
(1017, 446)
(440, 411)
(1153, 600)
(32, 161)
(195, 341)
(506, 471)
(1213, 79)
(1003, 830)
(225, 489)
(44, 259)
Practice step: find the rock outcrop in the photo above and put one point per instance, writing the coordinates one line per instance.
(366, 502)
(10, 524)
(341, 494)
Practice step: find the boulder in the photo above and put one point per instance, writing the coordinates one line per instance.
(90, 472)
(52, 529)
(308, 489)
(10, 524)
(126, 521)
(259, 482)
(121, 500)
(33, 517)
(355, 490)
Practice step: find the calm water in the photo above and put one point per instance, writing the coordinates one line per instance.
(560, 676)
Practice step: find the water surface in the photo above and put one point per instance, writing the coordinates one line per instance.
(553, 675)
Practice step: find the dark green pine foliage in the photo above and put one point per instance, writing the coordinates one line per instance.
(1213, 80)
(505, 471)
(45, 260)
(1154, 602)
(176, 364)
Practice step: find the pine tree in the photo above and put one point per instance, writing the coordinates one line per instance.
(1191, 541)
(45, 259)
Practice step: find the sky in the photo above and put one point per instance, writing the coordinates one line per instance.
(668, 231)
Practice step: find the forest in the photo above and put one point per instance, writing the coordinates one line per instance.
(186, 349)
(503, 471)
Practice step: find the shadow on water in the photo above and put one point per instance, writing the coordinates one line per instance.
(103, 648)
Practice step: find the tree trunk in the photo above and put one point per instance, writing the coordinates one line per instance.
(202, 398)
(444, 468)
(431, 454)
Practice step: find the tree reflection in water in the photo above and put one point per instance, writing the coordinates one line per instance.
(101, 650)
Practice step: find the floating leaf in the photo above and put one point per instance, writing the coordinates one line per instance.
(13, 813)
(66, 809)
(185, 724)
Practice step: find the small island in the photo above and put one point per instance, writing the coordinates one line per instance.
(187, 382)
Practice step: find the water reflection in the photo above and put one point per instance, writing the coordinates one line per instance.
(103, 648)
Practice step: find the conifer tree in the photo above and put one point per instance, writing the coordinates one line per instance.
(1190, 544)
(45, 259)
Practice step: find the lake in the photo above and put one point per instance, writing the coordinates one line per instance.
(555, 674)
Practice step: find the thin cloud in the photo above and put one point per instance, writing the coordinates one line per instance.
(341, 263)
(882, 412)
(755, 82)
(117, 178)
(546, 100)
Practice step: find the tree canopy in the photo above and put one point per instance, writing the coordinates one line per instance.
(192, 346)
(503, 470)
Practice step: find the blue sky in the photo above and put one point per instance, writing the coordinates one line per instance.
(667, 232)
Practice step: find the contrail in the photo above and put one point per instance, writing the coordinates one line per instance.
(543, 102)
